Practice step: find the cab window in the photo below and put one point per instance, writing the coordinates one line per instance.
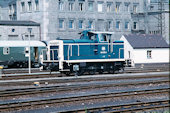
(103, 37)
(92, 36)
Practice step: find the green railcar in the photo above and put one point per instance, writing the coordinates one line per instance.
(16, 53)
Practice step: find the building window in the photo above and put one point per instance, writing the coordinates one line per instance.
(108, 25)
(151, 7)
(129, 54)
(14, 11)
(117, 9)
(108, 7)
(23, 6)
(10, 9)
(61, 24)
(6, 50)
(126, 25)
(81, 6)
(71, 6)
(80, 24)
(127, 7)
(149, 54)
(90, 6)
(100, 7)
(90, 24)
(29, 6)
(10, 17)
(71, 24)
(61, 4)
(36, 5)
(134, 8)
(14, 8)
(134, 25)
(117, 24)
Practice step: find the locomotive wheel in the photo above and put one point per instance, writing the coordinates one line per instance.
(100, 72)
(67, 73)
(81, 71)
(92, 72)
(121, 70)
(21, 66)
(76, 73)
(111, 71)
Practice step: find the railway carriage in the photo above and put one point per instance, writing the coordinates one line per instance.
(93, 52)
(15, 53)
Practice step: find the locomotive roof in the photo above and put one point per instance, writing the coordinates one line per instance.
(101, 32)
(21, 44)
(98, 32)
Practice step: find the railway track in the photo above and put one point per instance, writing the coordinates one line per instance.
(78, 86)
(58, 80)
(128, 107)
(9, 74)
(57, 74)
(10, 105)
(141, 70)
(117, 87)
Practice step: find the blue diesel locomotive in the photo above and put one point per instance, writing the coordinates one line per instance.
(93, 52)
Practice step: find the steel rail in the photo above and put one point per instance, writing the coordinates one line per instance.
(28, 103)
(145, 70)
(130, 107)
(24, 77)
(62, 75)
(20, 73)
(57, 74)
(30, 84)
(84, 78)
(75, 86)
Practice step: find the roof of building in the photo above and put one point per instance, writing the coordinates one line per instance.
(146, 41)
(3, 3)
(19, 43)
(19, 23)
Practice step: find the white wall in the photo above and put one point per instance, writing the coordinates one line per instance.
(159, 55)
(127, 48)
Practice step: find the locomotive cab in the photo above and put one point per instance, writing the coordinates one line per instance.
(99, 37)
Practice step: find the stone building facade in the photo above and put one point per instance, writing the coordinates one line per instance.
(66, 18)
(4, 9)
(18, 30)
